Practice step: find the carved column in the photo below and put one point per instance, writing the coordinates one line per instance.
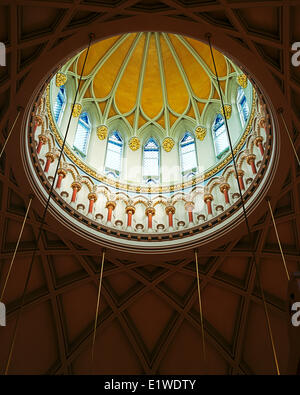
(224, 189)
(251, 162)
(110, 205)
(61, 174)
(208, 198)
(150, 211)
(50, 159)
(76, 186)
(42, 141)
(170, 211)
(189, 206)
(130, 210)
(258, 142)
(241, 179)
(92, 198)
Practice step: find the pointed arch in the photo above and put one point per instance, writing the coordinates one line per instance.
(151, 154)
(187, 151)
(82, 135)
(242, 106)
(60, 104)
(219, 134)
(114, 154)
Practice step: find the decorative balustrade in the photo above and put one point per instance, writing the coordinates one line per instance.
(166, 212)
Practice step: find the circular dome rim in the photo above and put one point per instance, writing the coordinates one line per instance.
(36, 75)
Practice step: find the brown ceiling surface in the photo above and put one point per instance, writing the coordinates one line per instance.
(149, 315)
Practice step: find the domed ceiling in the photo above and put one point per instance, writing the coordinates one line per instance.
(155, 78)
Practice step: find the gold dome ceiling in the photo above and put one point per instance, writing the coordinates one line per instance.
(156, 78)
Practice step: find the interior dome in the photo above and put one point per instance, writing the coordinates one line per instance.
(147, 155)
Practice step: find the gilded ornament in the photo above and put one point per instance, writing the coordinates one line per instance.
(228, 110)
(200, 132)
(102, 132)
(61, 79)
(242, 80)
(168, 144)
(76, 110)
(134, 143)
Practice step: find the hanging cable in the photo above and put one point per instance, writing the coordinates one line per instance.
(11, 129)
(91, 37)
(208, 36)
(16, 248)
(278, 240)
(280, 111)
(97, 307)
(200, 305)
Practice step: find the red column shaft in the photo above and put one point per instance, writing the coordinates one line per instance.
(261, 148)
(109, 214)
(39, 147)
(241, 182)
(190, 216)
(47, 165)
(129, 218)
(225, 191)
(253, 167)
(74, 195)
(209, 210)
(59, 180)
(35, 127)
(91, 205)
(170, 219)
(149, 220)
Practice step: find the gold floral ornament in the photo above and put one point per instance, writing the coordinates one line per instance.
(61, 79)
(76, 110)
(168, 144)
(200, 132)
(102, 132)
(134, 143)
(242, 80)
(228, 110)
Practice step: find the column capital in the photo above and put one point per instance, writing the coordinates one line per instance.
(51, 156)
(42, 138)
(224, 186)
(250, 158)
(258, 139)
(130, 208)
(150, 210)
(92, 196)
(208, 196)
(62, 172)
(170, 209)
(76, 185)
(111, 204)
(189, 206)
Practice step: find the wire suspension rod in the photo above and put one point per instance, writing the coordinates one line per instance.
(208, 36)
(97, 307)
(91, 36)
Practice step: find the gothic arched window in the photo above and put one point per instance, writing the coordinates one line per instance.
(242, 106)
(113, 161)
(220, 138)
(151, 160)
(59, 104)
(82, 135)
(188, 156)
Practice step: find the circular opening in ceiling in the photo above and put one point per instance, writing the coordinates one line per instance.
(147, 161)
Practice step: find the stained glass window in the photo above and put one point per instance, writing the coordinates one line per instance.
(114, 154)
(188, 153)
(82, 135)
(151, 159)
(220, 138)
(59, 105)
(242, 106)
